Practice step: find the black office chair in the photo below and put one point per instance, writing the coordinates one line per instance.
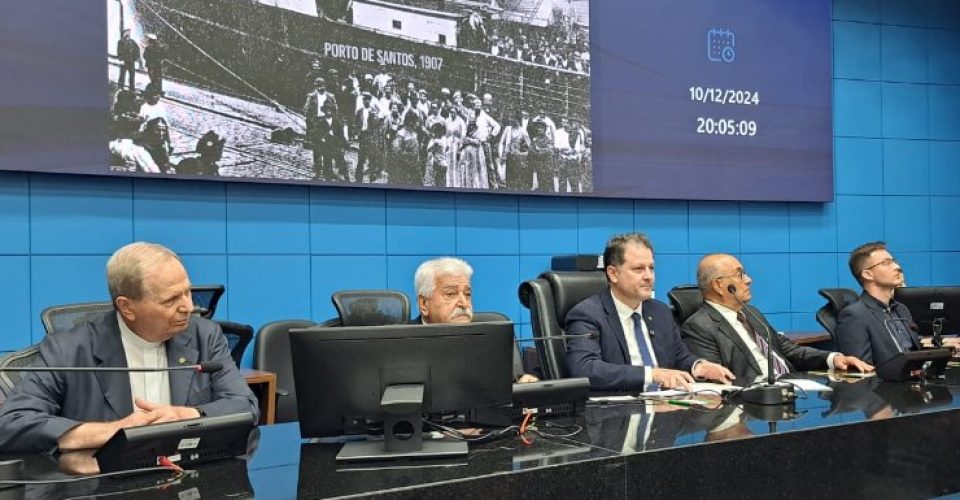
(238, 337)
(549, 298)
(206, 298)
(271, 352)
(371, 307)
(24, 357)
(684, 300)
(65, 317)
(837, 299)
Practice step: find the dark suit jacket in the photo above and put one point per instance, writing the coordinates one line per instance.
(606, 360)
(711, 337)
(46, 405)
(862, 332)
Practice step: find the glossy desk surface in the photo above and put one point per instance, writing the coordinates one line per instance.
(864, 439)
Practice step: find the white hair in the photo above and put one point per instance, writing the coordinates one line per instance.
(425, 280)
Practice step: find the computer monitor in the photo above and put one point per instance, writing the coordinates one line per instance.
(352, 380)
(935, 309)
(184, 442)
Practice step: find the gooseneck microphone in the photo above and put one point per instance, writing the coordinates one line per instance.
(205, 367)
(771, 392)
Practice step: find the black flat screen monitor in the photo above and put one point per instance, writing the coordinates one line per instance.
(351, 380)
(184, 442)
(932, 305)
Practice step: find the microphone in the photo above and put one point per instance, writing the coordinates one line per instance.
(771, 392)
(205, 367)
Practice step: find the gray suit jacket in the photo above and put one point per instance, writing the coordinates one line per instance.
(711, 337)
(864, 331)
(45, 405)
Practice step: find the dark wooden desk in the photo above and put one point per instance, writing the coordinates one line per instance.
(264, 386)
(864, 439)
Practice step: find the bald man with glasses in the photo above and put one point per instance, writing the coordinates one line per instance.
(876, 327)
(725, 331)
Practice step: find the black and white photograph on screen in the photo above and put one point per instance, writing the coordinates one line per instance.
(447, 94)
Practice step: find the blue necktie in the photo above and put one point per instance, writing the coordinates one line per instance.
(641, 341)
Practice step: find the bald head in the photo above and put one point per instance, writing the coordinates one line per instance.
(716, 273)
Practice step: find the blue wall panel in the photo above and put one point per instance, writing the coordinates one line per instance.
(487, 225)
(906, 167)
(15, 308)
(944, 170)
(906, 223)
(665, 222)
(904, 54)
(267, 219)
(858, 164)
(420, 223)
(14, 213)
(347, 221)
(714, 227)
(281, 250)
(599, 219)
(79, 215)
(856, 50)
(548, 225)
(190, 218)
(764, 227)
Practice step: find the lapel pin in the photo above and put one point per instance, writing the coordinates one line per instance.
(182, 360)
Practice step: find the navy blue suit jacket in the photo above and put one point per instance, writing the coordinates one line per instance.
(606, 360)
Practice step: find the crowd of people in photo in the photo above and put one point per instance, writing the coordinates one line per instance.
(440, 138)
(139, 120)
(561, 44)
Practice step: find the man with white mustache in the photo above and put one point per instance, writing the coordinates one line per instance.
(444, 295)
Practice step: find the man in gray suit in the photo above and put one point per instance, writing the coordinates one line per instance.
(152, 326)
(725, 332)
(876, 327)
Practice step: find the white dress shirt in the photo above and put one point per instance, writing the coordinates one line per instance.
(150, 386)
(633, 348)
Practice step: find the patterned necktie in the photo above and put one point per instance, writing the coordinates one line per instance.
(779, 367)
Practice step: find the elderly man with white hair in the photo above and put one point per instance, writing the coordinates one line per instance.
(444, 295)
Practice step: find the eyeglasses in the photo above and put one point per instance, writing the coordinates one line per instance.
(885, 263)
(739, 275)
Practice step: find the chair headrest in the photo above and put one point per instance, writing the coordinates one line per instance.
(839, 297)
(572, 287)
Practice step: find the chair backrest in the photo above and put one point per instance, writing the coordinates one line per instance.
(65, 317)
(206, 298)
(238, 337)
(24, 357)
(271, 352)
(549, 298)
(371, 307)
(684, 300)
(837, 299)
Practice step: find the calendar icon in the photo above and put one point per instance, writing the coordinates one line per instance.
(720, 45)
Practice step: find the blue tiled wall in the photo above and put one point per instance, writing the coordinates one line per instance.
(282, 250)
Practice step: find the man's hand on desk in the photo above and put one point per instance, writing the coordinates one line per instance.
(95, 434)
(843, 362)
(713, 371)
(672, 379)
(166, 413)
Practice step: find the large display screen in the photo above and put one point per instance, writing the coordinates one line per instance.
(701, 99)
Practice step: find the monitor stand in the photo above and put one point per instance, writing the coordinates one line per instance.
(402, 406)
